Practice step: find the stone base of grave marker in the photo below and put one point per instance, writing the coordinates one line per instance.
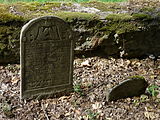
(46, 45)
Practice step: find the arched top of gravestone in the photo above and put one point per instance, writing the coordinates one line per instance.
(37, 27)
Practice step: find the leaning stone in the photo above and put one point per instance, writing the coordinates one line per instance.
(133, 86)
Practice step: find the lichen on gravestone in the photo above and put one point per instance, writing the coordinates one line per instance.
(46, 58)
(132, 86)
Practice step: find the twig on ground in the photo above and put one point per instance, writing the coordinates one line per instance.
(45, 113)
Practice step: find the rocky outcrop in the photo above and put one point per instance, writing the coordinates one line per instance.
(127, 39)
(123, 33)
(9, 43)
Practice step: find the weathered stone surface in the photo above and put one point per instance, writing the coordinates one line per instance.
(133, 86)
(46, 45)
(118, 35)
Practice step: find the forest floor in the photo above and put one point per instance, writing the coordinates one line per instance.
(92, 78)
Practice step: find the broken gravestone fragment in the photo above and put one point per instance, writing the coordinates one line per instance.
(133, 86)
(46, 45)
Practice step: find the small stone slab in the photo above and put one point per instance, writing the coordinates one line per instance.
(133, 86)
(46, 45)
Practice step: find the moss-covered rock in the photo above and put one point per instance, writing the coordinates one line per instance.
(129, 34)
(9, 44)
(141, 16)
(119, 17)
(8, 17)
(103, 6)
(69, 16)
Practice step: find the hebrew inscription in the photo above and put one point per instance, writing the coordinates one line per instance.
(46, 57)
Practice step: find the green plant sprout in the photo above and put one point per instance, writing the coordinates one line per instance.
(153, 90)
(78, 89)
(143, 98)
(7, 110)
(91, 115)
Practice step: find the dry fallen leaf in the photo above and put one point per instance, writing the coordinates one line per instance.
(103, 74)
(158, 96)
(96, 105)
(109, 119)
(78, 112)
(15, 80)
(150, 115)
(4, 87)
(86, 64)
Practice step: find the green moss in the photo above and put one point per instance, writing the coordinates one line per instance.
(2, 46)
(26, 7)
(119, 17)
(103, 6)
(9, 43)
(57, 4)
(141, 16)
(3, 29)
(4, 8)
(35, 3)
(119, 23)
(73, 15)
(7, 17)
(49, 5)
(147, 9)
(37, 7)
(126, 27)
(3, 36)
(119, 27)
(39, 14)
(158, 15)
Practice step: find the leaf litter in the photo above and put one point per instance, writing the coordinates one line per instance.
(92, 78)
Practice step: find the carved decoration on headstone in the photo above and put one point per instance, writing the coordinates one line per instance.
(46, 57)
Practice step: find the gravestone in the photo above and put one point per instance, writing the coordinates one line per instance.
(132, 86)
(46, 45)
